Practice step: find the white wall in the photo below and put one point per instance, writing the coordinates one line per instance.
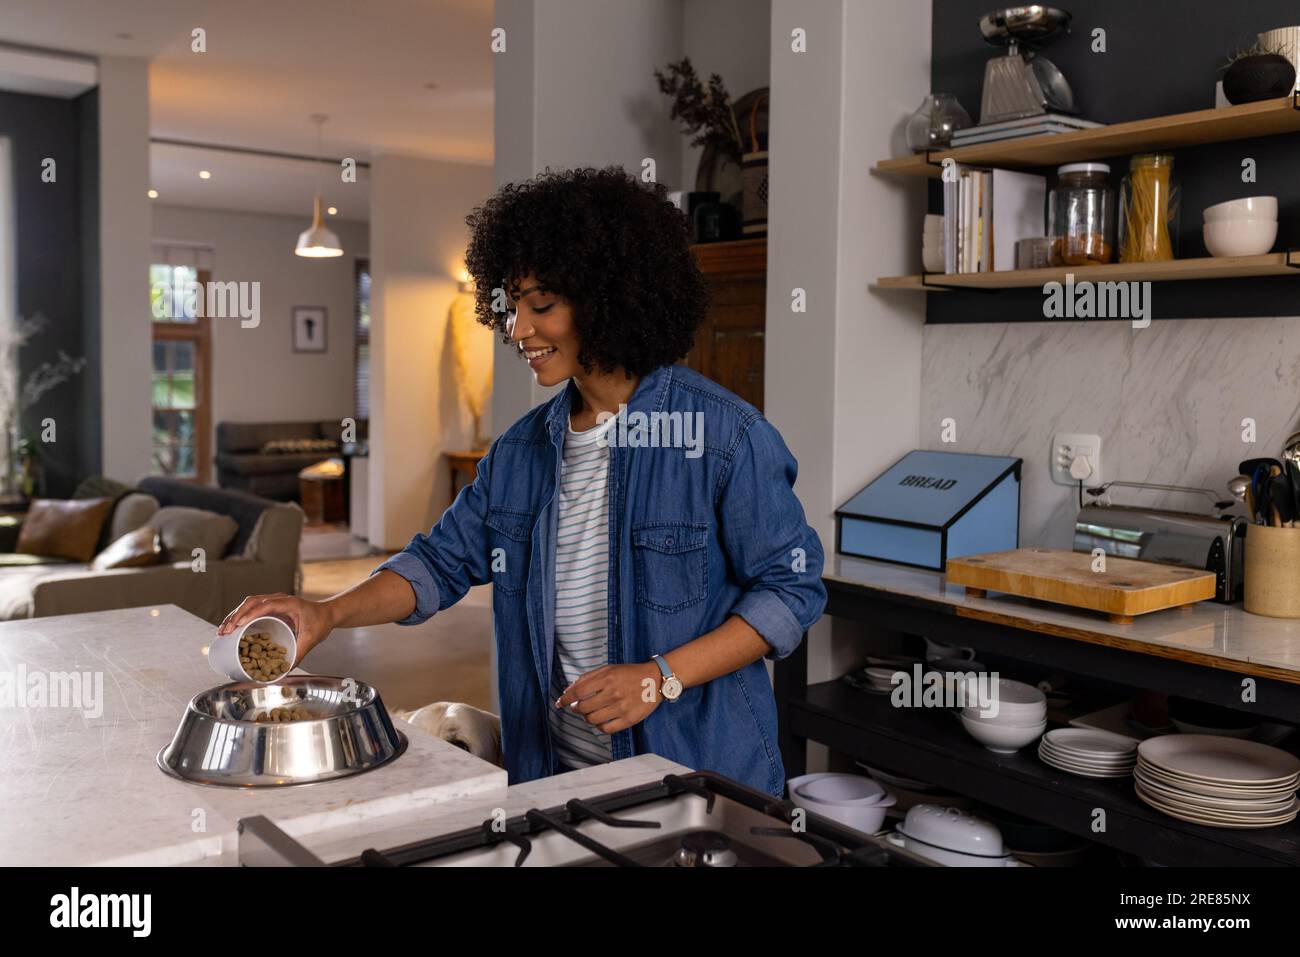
(125, 333)
(842, 379)
(576, 87)
(417, 249)
(256, 375)
(731, 38)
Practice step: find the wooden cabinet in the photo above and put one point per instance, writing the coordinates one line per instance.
(729, 345)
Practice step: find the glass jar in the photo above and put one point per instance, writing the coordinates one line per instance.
(1079, 221)
(935, 120)
(1149, 208)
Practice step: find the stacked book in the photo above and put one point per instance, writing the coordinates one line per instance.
(985, 213)
(1025, 126)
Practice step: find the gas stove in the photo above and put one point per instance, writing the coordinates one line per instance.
(692, 820)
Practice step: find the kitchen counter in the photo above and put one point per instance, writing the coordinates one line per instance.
(1207, 633)
(80, 788)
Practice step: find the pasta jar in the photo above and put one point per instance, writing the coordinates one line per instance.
(1149, 210)
(1079, 222)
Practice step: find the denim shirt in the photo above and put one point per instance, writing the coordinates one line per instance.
(696, 534)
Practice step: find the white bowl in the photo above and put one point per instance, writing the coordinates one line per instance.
(1003, 738)
(866, 818)
(932, 259)
(1239, 237)
(1249, 207)
(1005, 720)
(838, 788)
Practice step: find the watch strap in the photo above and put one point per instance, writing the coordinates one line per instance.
(663, 666)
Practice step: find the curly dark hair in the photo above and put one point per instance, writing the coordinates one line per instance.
(615, 248)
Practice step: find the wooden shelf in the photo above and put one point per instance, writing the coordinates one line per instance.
(1238, 267)
(1250, 120)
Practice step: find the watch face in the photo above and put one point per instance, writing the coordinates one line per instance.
(672, 688)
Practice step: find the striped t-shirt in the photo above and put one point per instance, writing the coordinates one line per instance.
(581, 579)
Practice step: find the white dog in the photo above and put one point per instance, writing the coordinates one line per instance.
(477, 731)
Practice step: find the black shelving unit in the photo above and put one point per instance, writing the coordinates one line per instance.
(931, 745)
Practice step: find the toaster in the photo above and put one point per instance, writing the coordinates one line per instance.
(1171, 538)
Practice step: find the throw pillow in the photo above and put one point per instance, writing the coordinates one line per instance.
(135, 549)
(131, 512)
(184, 529)
(64, 528)
(99, 486)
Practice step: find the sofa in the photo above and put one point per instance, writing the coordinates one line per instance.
(262, 556)
(244, 461)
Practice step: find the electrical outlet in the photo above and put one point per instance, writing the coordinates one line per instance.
(1067, 448)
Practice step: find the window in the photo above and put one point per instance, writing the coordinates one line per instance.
(181, 405)
(361, 355)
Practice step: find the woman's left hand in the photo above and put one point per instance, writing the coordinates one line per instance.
(614, 697)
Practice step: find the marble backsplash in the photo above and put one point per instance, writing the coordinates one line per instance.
(1168, 402)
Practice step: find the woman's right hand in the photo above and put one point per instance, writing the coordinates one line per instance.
(311, 620)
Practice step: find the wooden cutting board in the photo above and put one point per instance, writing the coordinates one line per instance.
(1126, 588)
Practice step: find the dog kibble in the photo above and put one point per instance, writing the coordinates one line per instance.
(296, 712)
(262, 658)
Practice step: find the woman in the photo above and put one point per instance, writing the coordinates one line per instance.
(640, 529)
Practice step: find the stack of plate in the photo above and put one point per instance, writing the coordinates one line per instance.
(1089, 753)
(1222, 782)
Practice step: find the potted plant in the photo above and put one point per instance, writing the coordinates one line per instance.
(708, 115)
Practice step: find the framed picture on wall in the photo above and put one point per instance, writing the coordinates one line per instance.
(309, 329)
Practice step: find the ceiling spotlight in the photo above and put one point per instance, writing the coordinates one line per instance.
(153, 194)
(204, 174)
(333, 210)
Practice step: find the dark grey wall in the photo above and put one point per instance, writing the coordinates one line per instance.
(1162, 57)
(57, 269)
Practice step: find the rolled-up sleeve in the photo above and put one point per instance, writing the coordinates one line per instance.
(775, 554)
(444, 563)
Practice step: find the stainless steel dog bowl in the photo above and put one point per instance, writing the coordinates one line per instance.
(219, 741)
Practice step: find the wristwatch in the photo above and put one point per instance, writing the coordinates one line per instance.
(671, 688)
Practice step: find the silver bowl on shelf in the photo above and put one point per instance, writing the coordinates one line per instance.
(342, 729)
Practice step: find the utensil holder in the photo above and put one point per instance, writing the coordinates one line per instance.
(1272, 571)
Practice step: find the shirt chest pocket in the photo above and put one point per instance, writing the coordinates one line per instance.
(671, 563)
(510, 533)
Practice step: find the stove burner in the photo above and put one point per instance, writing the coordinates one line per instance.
(705, 849)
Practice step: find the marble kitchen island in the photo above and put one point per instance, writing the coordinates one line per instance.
(80, 786)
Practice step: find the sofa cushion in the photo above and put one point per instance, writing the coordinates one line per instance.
(137, 548)
(184, 529)
(100, 486)
(131, 512)
(64, 528)
(241, 506)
